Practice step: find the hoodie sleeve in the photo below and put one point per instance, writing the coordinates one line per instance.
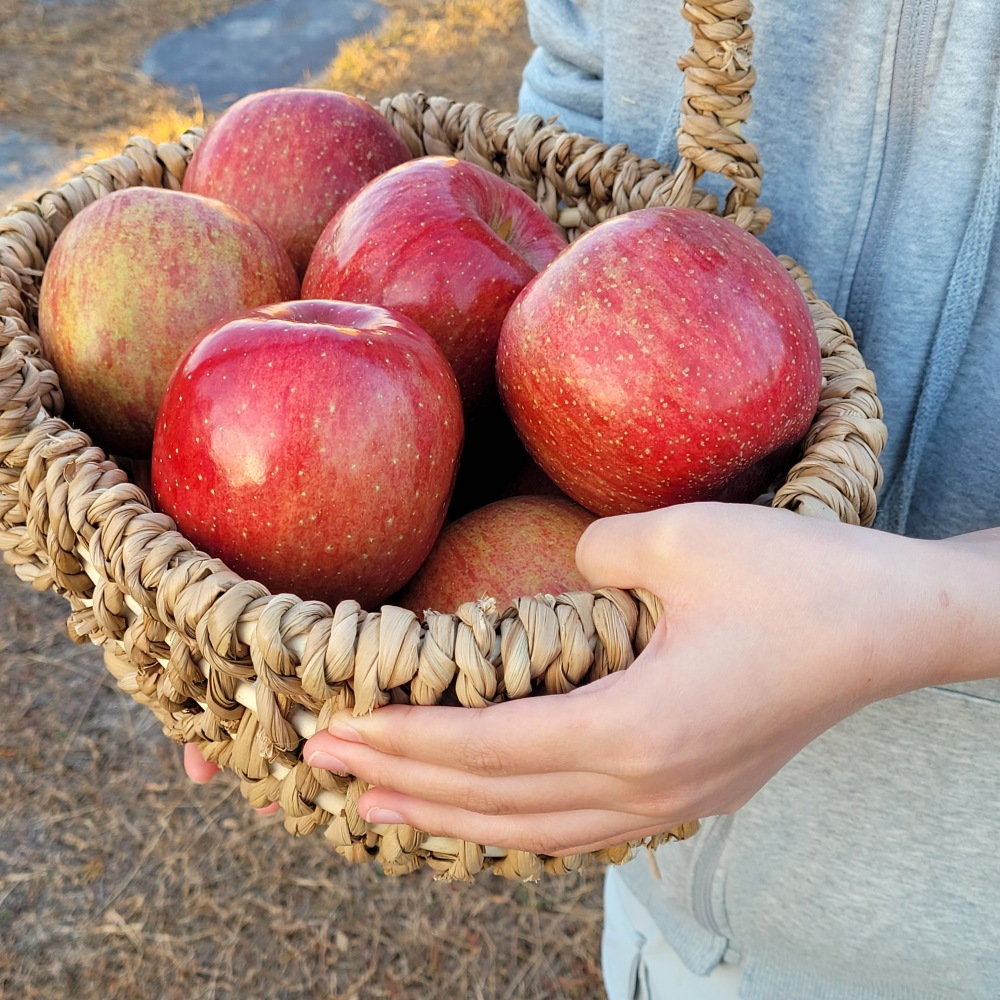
(564, 76)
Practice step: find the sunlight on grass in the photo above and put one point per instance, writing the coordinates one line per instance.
(384, 62)
(463, 49)
(164, 126)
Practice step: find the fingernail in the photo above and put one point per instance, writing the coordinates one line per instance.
(343, 732)
(326, 762)
(377, 815)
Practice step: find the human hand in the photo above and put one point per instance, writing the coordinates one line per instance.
(775, 626)
(201, 771)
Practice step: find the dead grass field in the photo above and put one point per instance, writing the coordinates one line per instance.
(69, 71)
(119, 879)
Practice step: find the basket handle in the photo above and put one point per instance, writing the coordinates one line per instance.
(718, 77)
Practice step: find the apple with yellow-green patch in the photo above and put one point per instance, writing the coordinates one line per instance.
(130, 282)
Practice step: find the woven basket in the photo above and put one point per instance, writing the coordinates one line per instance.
(247, 675)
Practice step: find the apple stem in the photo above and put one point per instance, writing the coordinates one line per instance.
(504, 228)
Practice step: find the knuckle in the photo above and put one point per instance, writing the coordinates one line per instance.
(488, 802)
(634, 769)
(559, 846)
(639, 764)
(536, 842)
(482, 759)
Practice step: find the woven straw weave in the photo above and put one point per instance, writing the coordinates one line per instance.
(248, 675)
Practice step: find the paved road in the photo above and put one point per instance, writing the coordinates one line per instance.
(267, 43)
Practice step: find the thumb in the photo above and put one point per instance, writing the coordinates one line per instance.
(618, 551)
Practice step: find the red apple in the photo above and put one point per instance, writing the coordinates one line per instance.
(448, 243)
(130, 282)
(517, 547)
(311, 446)
(663, 355)
(291, 157)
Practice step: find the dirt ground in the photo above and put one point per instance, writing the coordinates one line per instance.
(469, 50)
(120, 879)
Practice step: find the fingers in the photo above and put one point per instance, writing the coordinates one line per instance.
(528, 736)
(548, 833)
(199, 770)
(616, 551)
(482, 793)
(549, 775)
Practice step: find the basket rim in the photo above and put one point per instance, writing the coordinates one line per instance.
(245, 673)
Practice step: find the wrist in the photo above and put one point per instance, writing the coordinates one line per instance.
(945, 608)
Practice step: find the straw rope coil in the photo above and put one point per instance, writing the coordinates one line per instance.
(248, 675)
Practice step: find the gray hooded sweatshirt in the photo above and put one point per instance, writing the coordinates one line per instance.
(868, 867)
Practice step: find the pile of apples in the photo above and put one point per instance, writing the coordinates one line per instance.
(359, 374)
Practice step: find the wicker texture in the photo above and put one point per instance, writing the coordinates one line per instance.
(248, 675)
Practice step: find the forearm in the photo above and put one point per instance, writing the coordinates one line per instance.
(954, 618)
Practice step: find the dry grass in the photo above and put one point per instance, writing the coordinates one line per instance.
(70, 70)
(464, 49)
(118, 878)
(469, 50)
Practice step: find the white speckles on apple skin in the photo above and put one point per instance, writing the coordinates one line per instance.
(294, 187)
(419, 240)
(376, 461)
(711, 374)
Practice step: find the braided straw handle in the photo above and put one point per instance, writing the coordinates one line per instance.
(580, 180)
(718, 77)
